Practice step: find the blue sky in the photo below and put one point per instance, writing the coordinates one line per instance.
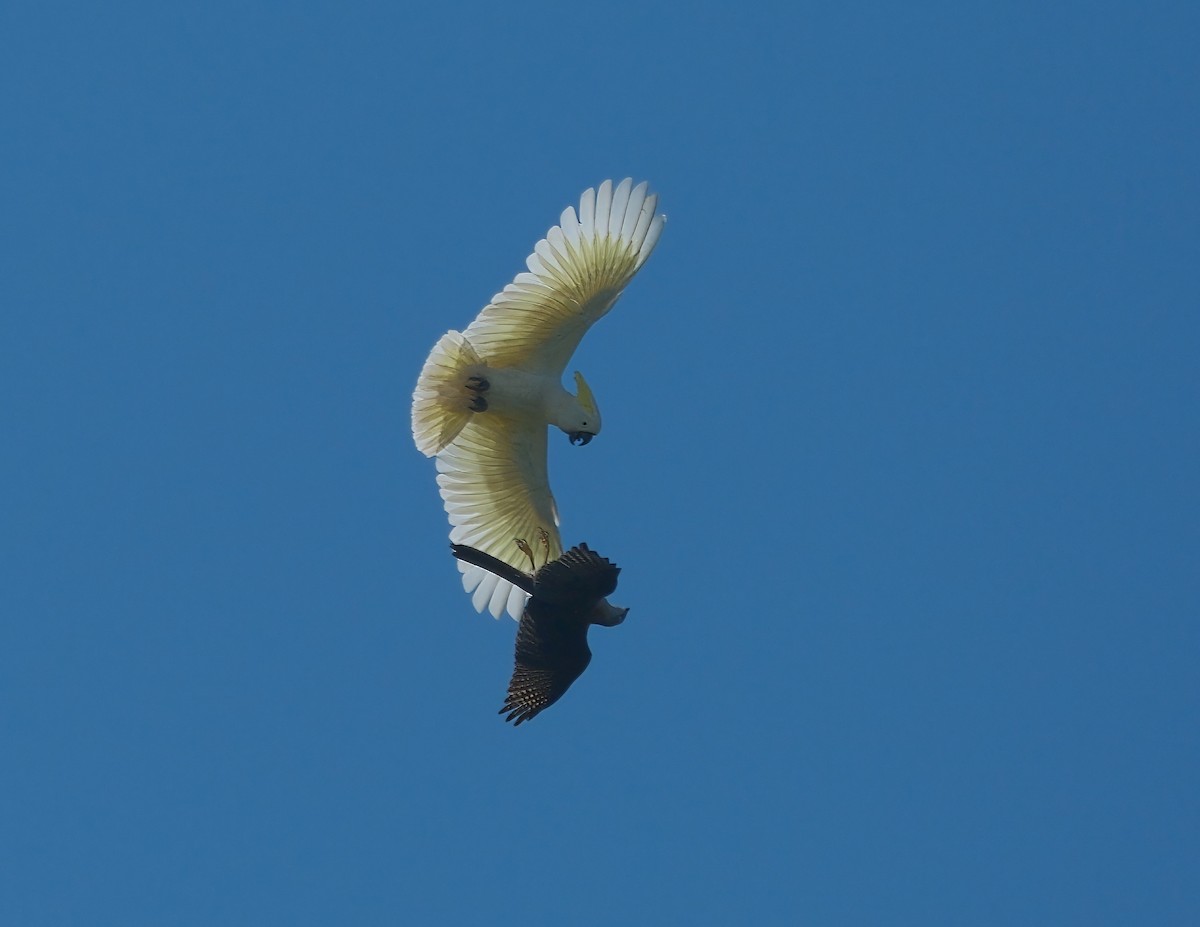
(899, 461)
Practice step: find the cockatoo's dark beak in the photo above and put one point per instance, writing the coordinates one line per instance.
(580, 437)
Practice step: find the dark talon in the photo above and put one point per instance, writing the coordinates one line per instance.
(477, 384)
(479, 404)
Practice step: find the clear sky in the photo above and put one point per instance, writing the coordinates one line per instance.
(901, 430)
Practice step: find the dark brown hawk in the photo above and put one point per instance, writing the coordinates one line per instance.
(565, 597)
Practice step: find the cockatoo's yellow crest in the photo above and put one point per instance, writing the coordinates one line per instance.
(586, 399)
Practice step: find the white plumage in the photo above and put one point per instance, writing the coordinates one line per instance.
(486, 396)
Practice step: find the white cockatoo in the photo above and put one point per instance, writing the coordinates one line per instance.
(486, 396)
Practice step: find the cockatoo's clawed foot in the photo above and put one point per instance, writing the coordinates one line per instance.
(477, 384)
(478, 404)
(524, 547)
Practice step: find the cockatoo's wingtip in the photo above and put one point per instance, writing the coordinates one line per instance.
(489, 593)
(573, 277)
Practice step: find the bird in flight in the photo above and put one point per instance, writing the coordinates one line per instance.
(486, 396)
(566, 595)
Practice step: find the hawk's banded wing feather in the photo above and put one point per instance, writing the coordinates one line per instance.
(575, 275)
(494, 485)
(550, 655)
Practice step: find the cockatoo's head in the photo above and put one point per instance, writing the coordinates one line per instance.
(583, 421)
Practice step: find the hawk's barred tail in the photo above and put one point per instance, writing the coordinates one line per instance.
(440, 408)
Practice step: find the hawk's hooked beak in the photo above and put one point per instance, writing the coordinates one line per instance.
(608, 615)
(580, 437)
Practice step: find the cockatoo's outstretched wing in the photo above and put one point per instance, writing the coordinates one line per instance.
(494, 484)
(575, 275)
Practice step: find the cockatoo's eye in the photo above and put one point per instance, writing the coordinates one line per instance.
(580, 437)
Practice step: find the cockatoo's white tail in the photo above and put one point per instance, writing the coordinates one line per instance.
(439, 411)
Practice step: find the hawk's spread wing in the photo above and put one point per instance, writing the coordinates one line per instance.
(577, 579)
(575, 275)
(551, 654)
(494, 485)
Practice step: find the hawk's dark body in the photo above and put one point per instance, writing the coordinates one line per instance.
(565, 597)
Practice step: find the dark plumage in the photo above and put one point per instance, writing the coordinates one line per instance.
(565, 596)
